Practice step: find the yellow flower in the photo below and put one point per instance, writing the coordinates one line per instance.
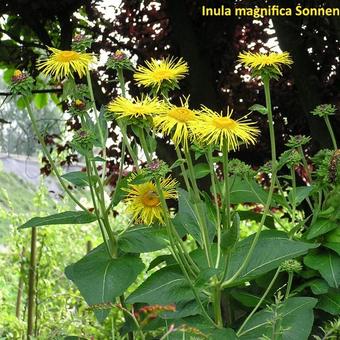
(214, 128)
(161, 72)
(175, 121)
(258, 61)
(61, 64)
(143, 201)
(135, 108)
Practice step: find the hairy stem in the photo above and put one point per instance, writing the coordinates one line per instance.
(331, 132)
(239, 332)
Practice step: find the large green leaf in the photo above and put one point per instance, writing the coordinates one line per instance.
(100, 279)
(295, 317)
(321, 226)
(78, 178)
(318, 286)
(247, 299)
(66, 217)
(272, 248)
(188, 218)
(243, 191)
(253, 216)
(201, 170)
(328, 264)
(334, 246)
(300, 194)
(40, 100)
(330, 302)
(166, 286)
(143, 239)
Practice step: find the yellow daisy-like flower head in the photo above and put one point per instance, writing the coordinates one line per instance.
(214, 128)
(161, 73)
(136, 108)
(143, 201)
(174, 122)
(261, 63)
(61, 64)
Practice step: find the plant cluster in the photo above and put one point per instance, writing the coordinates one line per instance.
(211, 283)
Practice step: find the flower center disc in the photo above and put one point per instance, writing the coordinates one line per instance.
(162, 74)
(150, 199)
(181, 114)
(66, 56)
(224, 123)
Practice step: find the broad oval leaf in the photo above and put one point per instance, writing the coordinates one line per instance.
(259, 108)
(330, 302)
(272, 248)
(166, 286)
(243, 191)
(66, 217)
(301, 193)
(143, 239)
(328, 264)
(321, 226)
(201, 170)
(78, 178)
(100, 279)
(40, 100)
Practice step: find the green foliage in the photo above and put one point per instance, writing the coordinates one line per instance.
(292, 319)
(101, 279)
(60, 308)
(66, 217)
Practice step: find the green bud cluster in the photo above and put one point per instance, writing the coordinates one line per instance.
(324, 110)
(81, 43)
(290, 158)
(83, 140)
(237, 167)
(297, 141)
(119, 61)
(22, 83)
(291, 266)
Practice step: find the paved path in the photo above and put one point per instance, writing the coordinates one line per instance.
(28, 168)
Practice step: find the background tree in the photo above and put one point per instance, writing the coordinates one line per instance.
(210, 45)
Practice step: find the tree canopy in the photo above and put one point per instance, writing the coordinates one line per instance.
(210, 45)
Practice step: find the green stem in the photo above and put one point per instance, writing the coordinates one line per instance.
(292, 173)
(226, 192)
(184, 172)
(121, 80)
(96, 210)
(266, 82)
(289, 284)
(239, 332)
(305, 164)
(122, 302)
(48, 155)
(199, 213)
(218, 217)
(122, 127)
(184, 255)
(217, 304)
(272, 184)
(184, 270)
(330, 130)
(101, 136)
